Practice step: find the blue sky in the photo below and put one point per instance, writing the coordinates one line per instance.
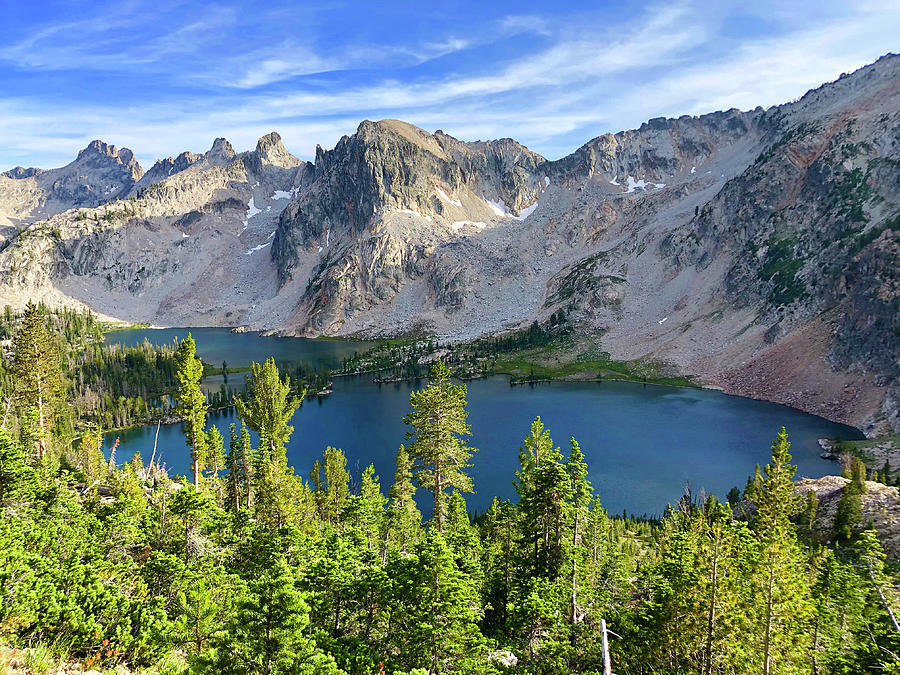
(164, 76)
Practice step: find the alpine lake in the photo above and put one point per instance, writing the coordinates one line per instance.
(643, 443)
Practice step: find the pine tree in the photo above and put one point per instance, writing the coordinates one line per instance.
(582, 494)
(849, 509)
(268, 632)
(438, 424)
(268, 412)
(403, 517)
(192, 406)
(331, 485)
(270, 408)
(236, 477)
(544, 489)
(437, 611)
(366, 509)
(38, 378)
(249, 466)
(781, 578)
(16, 477)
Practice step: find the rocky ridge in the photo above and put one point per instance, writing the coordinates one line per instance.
(757, 250)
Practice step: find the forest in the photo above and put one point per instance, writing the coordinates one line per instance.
(247, 566)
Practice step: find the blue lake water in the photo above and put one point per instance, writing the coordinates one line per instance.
(215, 345)
(642, 442)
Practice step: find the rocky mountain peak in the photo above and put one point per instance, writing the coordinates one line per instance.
(103, 156)
(270, 150)
(221, 152)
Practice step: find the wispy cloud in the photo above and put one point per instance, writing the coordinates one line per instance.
(551, 80)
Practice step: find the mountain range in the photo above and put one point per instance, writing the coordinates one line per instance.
(757, 250)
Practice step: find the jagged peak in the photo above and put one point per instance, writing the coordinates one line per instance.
(220, 151)
(270, 150)
(98, 147)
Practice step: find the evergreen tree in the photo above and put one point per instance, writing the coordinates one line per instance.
(268, 632)
(849, 509)
(249, 465)
(236, 476)
(582, 494)
(438, 424)
(781, 577)
(436, 620)
(192, 406)
(38, 378)
(331, 485)
(367, 510)
(16, 477)
(268, 412)
(545, 489)
(404, 520)
(270, 408)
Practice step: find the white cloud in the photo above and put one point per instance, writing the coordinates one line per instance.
(578, 81)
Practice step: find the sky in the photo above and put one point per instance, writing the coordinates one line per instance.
(165, 76)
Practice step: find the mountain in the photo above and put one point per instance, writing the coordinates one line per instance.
(757, 250)
(99, 174)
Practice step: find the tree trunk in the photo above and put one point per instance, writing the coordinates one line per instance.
(438, 492)
(767, 642)
(711, 622)
(573, 616)
(604, 643)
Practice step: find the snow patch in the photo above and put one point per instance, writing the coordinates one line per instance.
(251, 211)
(641, 184)
(527, 211)
(185, 235)
(327, 236)
(546, 182)
(257, 248)
(662, 320)
(320, 249)
(443, 195)
(614, 181)
(499, 208)
(693, 169)
(282, 194)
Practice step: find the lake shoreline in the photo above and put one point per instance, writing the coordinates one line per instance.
(796, 403)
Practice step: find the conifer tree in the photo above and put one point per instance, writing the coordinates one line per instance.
(582, 494)
(249, 465)
(544, 489)
(270, 408)
(38, 379)
(236, 476)
(404, 519)
(367, 509)
(268, 632)
(439, 451)
(781, 578)
(16, 477)
(331, 485)
(268, 412)
(439, 610)
(192, 406)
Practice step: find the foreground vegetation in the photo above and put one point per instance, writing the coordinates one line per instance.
(249, 568)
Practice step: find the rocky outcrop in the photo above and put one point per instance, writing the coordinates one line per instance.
(880, 508)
